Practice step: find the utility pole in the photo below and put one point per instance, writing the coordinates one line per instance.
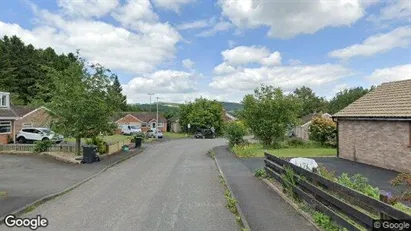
(157, 120)
(150, 94)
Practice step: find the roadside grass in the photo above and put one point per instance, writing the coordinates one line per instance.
(257, 150)
(173, 135)
(3, 194)
(109, 139)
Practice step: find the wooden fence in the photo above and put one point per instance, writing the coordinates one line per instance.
(331, 198)
(72, 148)
(30, 148)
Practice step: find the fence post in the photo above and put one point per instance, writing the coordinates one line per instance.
(383, 198)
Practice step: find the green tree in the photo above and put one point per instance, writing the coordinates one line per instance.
(310, 102)
(202, 113)
(269, 113)
(346, 97)
(235, 132)
(81, 103)
(116, 93)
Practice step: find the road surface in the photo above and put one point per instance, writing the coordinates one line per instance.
(170, 186)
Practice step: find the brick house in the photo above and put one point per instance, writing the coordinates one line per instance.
(376, 129)
(14, 118)
(143, 120)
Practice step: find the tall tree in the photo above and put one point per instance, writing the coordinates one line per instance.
(346, 97)
(116, 92)
(81, 101)
(202, 113)
(269, 113)
(310, 102)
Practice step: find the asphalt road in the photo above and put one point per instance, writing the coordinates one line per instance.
(171, 186)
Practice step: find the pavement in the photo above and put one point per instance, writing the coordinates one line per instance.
(27, 178)
(261, 206)
(378, 177)
(172, 185)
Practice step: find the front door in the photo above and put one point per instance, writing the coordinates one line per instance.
(153, 125)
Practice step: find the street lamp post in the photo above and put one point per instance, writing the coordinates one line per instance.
(157, 120)
(150, 94)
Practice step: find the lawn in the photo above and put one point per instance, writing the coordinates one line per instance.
(109, 139)
(173, 135)
(256, 150)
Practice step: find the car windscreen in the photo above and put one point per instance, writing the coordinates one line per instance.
(47, 131)
(133, 127)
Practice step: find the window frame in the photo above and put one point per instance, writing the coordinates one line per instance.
(144, 125)
(3, 104)
(409, 134)
(3, 124)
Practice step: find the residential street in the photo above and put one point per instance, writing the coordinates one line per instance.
(171, 186)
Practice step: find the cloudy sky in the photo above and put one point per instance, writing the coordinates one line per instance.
(183, 49)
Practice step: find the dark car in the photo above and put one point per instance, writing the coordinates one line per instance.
(205, 134)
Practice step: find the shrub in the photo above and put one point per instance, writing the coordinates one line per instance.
(260, 173)
(295, 142)
(403, 180)
(99, 142)
(325, 221)
(359, 183)
(322, 171)
(324, 131)
(235, 132)
(42, 146)
(244, 150)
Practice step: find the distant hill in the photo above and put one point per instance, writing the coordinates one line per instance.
(171, 107)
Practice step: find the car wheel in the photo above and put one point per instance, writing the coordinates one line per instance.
(21, 140)
(45, 139)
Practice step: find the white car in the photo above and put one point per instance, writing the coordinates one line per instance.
(153, 133)
(38, 134)
(129, 129)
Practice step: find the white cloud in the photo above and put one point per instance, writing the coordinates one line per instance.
(134, 11)
(188, 63)
(398, 10)
(389, 74)
(218, 27)
(286, 77)
(194, 25)
(173, 5)
(87, 8)
(242, 55)
(223, 68)
(287, 19)
(379, 43)
(294, 62)
(113, 47)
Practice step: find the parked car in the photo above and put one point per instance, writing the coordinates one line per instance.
(129, 129)
(153, 133)
(38, 134)
(204, 133)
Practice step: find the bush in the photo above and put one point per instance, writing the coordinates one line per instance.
(324, 131)
(245, 150)
(403, 181)
(359, 183)
(295, 142)
(42, 146)
(99, 142)
(260, 173)
(235, 132)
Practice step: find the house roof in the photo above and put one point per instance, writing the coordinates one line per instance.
(389, 100)
(143, 116)
(22, 110)
(7, 113)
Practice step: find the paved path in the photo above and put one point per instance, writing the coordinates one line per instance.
(172, 186)
(262, 207)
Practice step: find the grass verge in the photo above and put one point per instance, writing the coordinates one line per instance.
(108, 139)
(257, 150)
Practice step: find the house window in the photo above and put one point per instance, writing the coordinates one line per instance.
(144, 125)
(27, 125)
(160, 125)
(5, 127)
(3, 100)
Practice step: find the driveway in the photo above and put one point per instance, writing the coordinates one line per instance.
(172, 186)
(378, 177)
